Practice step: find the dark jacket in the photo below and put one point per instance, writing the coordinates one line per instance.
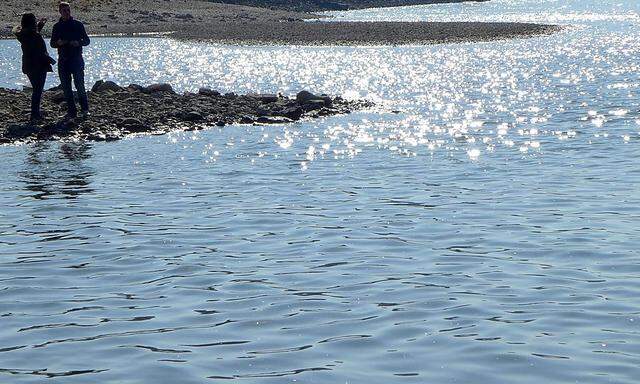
(70, 30)
(35, 58)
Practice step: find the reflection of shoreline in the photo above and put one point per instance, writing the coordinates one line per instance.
(49, 173)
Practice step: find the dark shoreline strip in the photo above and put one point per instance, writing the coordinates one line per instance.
(364, 33)
(337, 33)
(117, 112)
(335, 5)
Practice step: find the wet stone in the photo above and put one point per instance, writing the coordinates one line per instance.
(117, 111)
(304, 96)
(102, 86)
(313, 105)
(265, 98)
(294, 113)
(273, 120)
(135, 88)
(153, 88)
(208, 92)
(193, 116)
(247, 120)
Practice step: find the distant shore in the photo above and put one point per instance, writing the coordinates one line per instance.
(335, 5)
(236, 24)
(378, 33)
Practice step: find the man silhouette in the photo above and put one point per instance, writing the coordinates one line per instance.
(69, 36)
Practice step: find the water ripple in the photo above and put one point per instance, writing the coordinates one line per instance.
(478, 226)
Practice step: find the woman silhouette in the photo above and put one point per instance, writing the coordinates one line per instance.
(36, 61)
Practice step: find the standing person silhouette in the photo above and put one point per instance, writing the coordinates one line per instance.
(69, 36)
(36, 61)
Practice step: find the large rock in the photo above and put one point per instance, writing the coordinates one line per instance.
(193, 116)
(328, 101)
(304, 96)
(311, 102)
(135, 88)
(102, 86)
(129, 121)
(264, 97)
(208, 92)
(293, 113)
(327, 112)
(313, 105)
(154, 88)
(133, 125)
(97, 85)
(246, 119)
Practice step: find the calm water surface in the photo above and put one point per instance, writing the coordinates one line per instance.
(487, 233)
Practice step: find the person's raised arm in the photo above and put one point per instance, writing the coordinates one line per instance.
(41, 24)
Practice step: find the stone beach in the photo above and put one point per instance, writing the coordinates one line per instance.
(117, 112)
(238, 24)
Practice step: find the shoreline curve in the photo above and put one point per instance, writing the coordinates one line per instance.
(199, 20)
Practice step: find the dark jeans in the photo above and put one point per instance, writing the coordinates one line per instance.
(37, 80)
(66, 70)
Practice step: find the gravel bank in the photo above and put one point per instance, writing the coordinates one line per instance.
(203, 20)
(117, 112)
(113, 17)
(349, 33)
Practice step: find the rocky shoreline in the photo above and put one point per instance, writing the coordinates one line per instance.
(117, 112)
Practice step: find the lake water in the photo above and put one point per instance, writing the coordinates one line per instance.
(487, 233)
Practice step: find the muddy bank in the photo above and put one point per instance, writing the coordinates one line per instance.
(117, 112)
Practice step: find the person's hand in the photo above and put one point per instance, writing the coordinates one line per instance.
(41, 23)
(74, 43)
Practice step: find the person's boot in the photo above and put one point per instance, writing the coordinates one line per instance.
(36, 118)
